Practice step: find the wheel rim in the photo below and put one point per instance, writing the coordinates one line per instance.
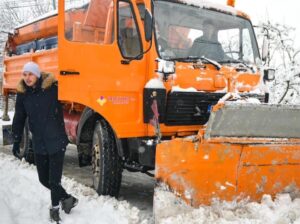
(96, 162)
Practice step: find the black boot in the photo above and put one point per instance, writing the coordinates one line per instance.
(54, 215)
(68, 203)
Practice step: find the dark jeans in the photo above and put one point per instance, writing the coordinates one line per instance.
(49, 169)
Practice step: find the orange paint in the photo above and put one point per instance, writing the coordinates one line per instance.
(199, 172)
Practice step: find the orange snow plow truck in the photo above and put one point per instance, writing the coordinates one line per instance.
(175, 86)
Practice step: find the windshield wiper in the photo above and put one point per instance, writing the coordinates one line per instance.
(210, 61)
(240, 62)
(186, 59)
(196, 58)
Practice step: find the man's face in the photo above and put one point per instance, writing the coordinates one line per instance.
(29, 79)
(209, 30)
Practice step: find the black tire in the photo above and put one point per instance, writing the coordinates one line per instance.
(106, 163)
(26, 150)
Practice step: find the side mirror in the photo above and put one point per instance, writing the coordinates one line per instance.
(269, 74)
(265, 48)
(148, 23)
(165, 67)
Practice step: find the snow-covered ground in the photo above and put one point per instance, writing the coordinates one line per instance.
(23, 200)
(281, 210)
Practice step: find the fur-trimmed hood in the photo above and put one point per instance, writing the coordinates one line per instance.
(47, 79)
(45, 116)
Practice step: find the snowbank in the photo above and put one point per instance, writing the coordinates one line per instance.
(23, 200)
(281, 210)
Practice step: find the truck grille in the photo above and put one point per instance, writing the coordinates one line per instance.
(189, 108)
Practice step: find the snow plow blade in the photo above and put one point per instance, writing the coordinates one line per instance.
(254, 121)
(235, 156)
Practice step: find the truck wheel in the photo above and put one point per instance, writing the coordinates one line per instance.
(26, 150)
(106, 163)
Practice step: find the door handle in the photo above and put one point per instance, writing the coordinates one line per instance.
(69, 72)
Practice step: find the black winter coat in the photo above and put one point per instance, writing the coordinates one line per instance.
(45, 115)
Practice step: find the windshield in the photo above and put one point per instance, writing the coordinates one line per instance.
(188, 32)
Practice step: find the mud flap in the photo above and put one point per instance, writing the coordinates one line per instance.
(254, 121)
(6, 137)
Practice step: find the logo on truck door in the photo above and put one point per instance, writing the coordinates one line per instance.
(101, 100)
(116, 100)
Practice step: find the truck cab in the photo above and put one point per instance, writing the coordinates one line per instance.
(134, 72)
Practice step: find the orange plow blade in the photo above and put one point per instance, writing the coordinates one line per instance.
(199, 172)
(244, 151)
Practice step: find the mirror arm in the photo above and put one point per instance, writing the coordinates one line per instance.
(127, 61)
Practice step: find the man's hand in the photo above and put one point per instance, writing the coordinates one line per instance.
(16, 150)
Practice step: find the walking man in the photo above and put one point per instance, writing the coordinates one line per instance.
(37, 100)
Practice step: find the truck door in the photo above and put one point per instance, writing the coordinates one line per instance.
(94, 39)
